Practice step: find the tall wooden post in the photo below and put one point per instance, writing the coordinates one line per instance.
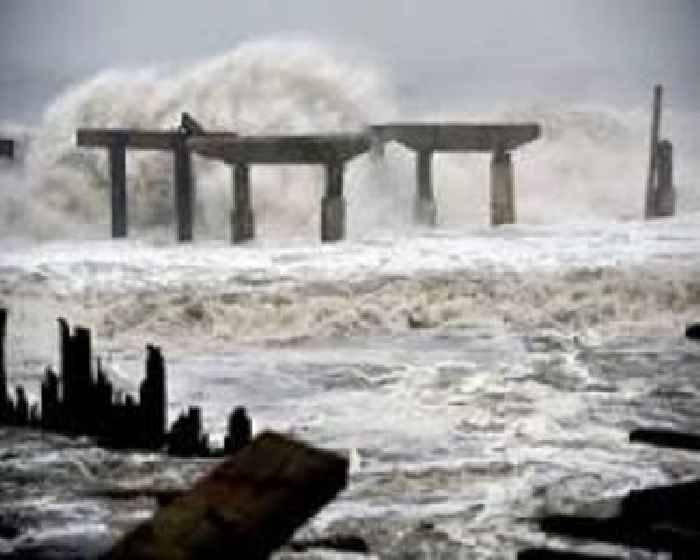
(649, 210)
(502, 193)
(242, 218)
(3, 372)
(333, 204)
(184, 189)
(117, 173)
(425, 211)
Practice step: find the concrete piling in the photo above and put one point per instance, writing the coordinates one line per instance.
(664, 194)
(425, 211)
(242, 217)
(184, 189)
(649, 199)
(330, 150)
(333, 204)
(502, 192)
(117, 173)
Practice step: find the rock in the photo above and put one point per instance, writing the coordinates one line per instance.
(692, 331)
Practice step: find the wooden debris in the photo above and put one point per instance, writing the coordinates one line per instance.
(248, 506)
(548, 554)
(666, 438)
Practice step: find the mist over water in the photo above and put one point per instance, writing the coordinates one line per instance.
(475, 375)
(590, 163)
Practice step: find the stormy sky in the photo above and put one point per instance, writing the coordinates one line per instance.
(435, 51)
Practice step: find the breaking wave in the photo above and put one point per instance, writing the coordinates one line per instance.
(589, 165)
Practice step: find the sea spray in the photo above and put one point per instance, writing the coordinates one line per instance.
(588, 165)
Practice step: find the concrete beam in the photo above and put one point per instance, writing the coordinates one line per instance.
(138, 139)
(333, 204)
(242, 218)
(7, 148)
(502, 195)
(425, 210)
(318, 149)
(117, 173)
(184, 190)
(457, 137)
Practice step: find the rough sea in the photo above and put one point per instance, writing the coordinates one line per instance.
(476, 377)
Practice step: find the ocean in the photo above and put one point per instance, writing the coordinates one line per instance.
(476, 377)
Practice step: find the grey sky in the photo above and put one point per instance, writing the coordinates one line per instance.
(434, 50)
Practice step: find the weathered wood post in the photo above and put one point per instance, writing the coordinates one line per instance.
(502, 193)
(649, 201)
(333, 203)
(425, 212)
(117, 173)
(665, 194)
(184, 188)
(3, 372)
(242, 218)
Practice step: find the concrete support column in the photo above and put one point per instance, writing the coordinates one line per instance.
(665, 194)
(184, 189)
(333, 204)
(502, 193)
(425, 212)
(649, 197)
(242, 218)
(117, 174)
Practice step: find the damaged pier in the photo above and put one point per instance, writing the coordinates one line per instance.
(427, 138)
(332, 151)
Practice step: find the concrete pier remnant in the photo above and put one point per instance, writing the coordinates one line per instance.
(333, 204)
(242, 217)
(502, 194)
(427, 138)
(425, 211)
(330, 150)
(653, 152)
(7, 148)
(665, 193)
(184, 189)
(118, 140)
(117, 173)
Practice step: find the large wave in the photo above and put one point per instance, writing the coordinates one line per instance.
(590, 163)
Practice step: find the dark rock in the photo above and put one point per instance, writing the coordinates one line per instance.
(666, 438)
(341, 543)
(692, 331)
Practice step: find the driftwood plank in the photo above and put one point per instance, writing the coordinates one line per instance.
(248, 506)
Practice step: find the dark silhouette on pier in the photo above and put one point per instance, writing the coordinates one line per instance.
(77, 402)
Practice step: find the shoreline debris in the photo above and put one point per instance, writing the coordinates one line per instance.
(246, 507)
(76, 401)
